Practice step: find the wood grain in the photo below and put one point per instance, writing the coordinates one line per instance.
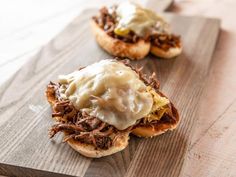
(25, 114)
(213, 146)
(22, 39)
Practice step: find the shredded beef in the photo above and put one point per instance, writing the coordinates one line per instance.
(166, 118)
(81, 126)
(103, 142)
(84, 128)
(149, 81)
(107, 21)
(165, 41)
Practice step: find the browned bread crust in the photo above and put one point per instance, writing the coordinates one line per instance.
(154, 129)
(119, 48)
(89, 150)
(143, 130)
(171, 53)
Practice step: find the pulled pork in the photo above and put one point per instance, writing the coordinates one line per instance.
(165, 41)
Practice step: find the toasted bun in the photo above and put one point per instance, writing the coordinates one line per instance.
(50, 94)
(120, 142)
(119, 48)
(51, 97)
(158, 128)
(172, 52)
(89, 151)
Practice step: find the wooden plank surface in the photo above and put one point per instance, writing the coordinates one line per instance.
(22, 39)
(213, 146)
(25, 114)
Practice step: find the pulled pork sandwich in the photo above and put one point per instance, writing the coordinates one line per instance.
(129, 30)
(98, 106)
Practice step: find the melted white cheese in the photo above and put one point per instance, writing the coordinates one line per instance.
(135, 18)
(110, 91)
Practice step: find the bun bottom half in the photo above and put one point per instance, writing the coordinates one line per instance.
(151, 130)
(119, 48)
(88, 150)
(171, 53)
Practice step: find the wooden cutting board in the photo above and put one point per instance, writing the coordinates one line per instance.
(25, 115)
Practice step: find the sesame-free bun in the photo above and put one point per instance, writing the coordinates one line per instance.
(119, 48)
(88, 150)
(171, 53)
(157, 128)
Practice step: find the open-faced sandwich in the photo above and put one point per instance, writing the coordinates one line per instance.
(98, 106)
(129, 30)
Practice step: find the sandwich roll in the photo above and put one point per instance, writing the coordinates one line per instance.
(128, 30)
(88, 150)
(98, 106)
(165, 45)
(151, 129)
(119, 48)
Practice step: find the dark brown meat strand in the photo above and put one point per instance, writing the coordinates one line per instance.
(149, 81)
(99, 137)
(55, 87)
(88, 129)
(165, 41)
(107, 22)
(77, 125)
(166, 118)
(81, 126)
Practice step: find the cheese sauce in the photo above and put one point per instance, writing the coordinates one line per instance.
(110, 91)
